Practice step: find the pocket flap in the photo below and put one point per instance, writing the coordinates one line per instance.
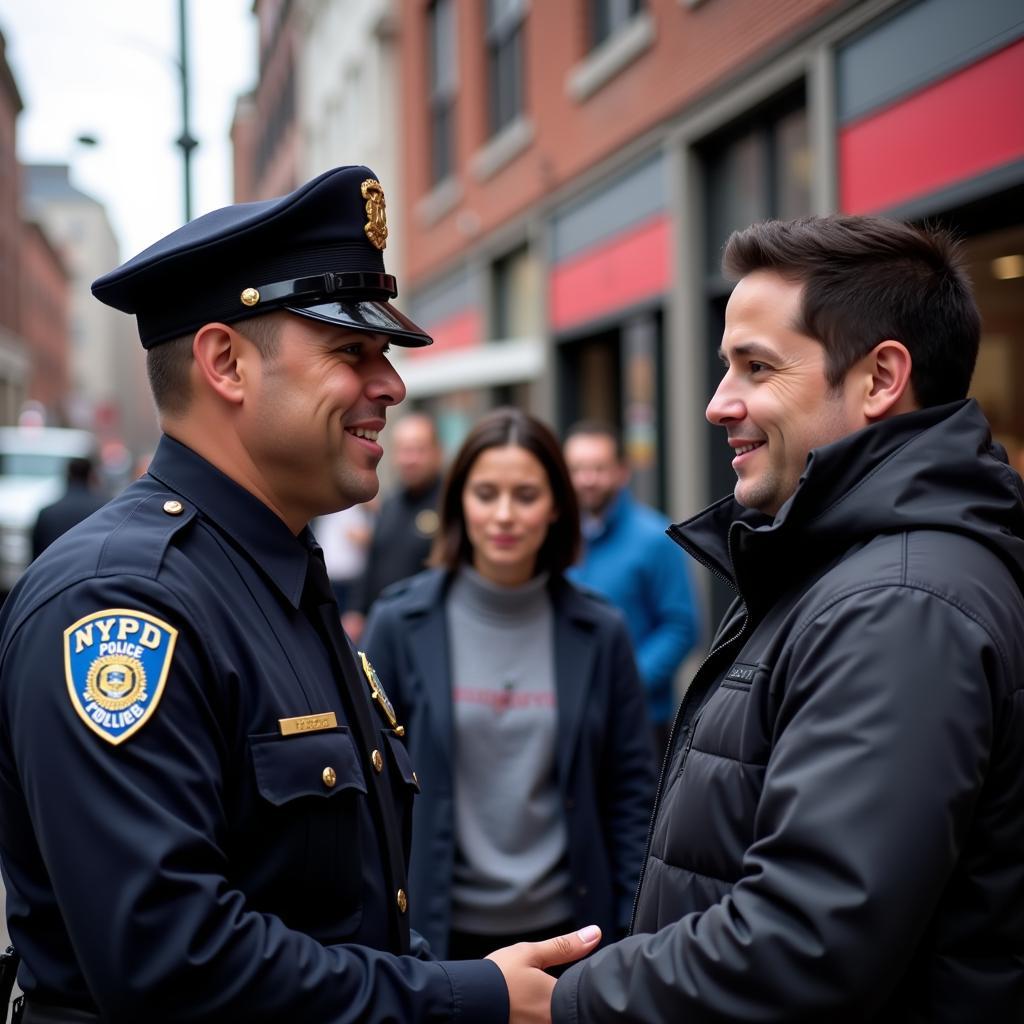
(312, 764)
(402, 761)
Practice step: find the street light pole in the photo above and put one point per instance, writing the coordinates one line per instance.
(186, 142)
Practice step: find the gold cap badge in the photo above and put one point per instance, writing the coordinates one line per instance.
(249, 296)
(376, 226)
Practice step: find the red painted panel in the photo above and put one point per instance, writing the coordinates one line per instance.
(960, 127)
(462, 330)
(633, 266)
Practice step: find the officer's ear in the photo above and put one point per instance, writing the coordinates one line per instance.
(220, 358)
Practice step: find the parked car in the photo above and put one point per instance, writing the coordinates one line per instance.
(33, 468)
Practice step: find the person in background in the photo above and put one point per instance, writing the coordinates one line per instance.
(839, 833)
(78, 502)
(627, 558)
(524, 713)
(407, 524)
(344, 537)
(204, 795)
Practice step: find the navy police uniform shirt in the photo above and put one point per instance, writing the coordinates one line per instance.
(191, 826)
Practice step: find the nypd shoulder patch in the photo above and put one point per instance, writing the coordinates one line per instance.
(116, 663)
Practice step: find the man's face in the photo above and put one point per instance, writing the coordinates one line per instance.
(315, 410)
(416, 453)
(597, 475)
(774, 400)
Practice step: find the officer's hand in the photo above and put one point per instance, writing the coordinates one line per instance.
(529, 987)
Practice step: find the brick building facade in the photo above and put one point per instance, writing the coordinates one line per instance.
(44, 321)
(572, 171)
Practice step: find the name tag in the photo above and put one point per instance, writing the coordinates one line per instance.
(741, 673)
(308, 723)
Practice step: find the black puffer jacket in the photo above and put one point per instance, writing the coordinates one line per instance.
(839, 834)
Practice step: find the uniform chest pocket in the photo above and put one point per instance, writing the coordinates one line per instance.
(317, 794)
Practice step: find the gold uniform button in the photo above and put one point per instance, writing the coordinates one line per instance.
(173, 508)
(330, 777)
(402, 900)
(378, 761)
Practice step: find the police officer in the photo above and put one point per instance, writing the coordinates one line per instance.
(204, 793)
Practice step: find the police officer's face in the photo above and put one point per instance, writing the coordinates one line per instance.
(775, 401)
(508, 507)
(317, 408)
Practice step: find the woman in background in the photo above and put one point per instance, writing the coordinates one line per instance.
(524, 714)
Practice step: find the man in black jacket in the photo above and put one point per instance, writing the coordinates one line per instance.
(405, 528)
(839, 833)
(77, 503)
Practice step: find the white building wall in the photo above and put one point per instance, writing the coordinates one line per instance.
(348, 95)
(107, 362)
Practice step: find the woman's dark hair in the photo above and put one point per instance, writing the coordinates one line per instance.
(501, 427)
(867, 279)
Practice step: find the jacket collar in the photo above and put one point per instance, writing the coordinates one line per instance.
(934, 468)
(253, 528)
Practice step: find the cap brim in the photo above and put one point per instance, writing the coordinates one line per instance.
(373, 317)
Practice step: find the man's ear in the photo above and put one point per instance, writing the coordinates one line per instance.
(221, 360)
(888, 388)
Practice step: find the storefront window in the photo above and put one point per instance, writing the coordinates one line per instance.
(996, 266)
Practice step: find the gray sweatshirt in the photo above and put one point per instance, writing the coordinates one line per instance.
(511, 872)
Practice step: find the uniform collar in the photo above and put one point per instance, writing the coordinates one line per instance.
(258, 532)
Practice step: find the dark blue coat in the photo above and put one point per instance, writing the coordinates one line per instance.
(181, 857)
(605, 760)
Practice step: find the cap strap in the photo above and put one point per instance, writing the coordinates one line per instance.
(322, 286)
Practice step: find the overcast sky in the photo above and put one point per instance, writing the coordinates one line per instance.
(108, 68)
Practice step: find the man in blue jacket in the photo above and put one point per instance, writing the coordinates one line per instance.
(627, 558)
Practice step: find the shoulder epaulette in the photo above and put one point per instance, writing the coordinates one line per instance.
(138, 543)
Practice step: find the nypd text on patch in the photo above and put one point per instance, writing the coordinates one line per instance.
(116, 663)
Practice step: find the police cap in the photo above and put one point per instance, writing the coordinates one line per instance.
(317, 252)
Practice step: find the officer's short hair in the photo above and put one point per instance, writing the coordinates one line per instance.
(868, 279)
(168, 365)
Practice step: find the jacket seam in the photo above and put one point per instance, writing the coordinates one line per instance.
(969, 613)
(694, 749)
(693, 871)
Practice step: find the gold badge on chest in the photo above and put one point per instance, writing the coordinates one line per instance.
(380, 698)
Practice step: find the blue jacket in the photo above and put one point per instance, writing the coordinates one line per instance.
(634, 565)
(605, 760)
(172, 849)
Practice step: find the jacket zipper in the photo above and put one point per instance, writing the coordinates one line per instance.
(679, 713)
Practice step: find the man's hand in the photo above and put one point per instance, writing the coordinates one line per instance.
(529, 987)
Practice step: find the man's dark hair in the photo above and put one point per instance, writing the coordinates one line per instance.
(867, 279)
(167, 364)
(501, 427)
(79, 470)
(597, 428)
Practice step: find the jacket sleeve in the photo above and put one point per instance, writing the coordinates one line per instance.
(139, 865)
(883, 733)
(673, 608)
(628, 775)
